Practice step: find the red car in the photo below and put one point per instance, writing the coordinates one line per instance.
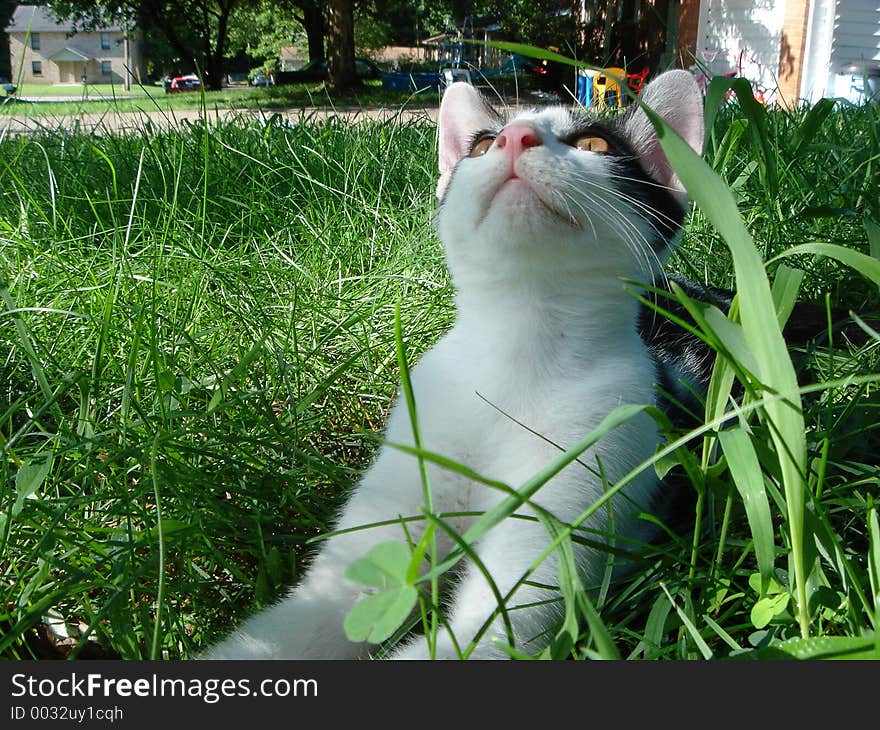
(190, 82)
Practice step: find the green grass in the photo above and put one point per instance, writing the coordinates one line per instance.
(95, 92)
(106, 99)
(198, 334)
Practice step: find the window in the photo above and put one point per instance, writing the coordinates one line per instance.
(106, 68)
(37, 68)
(105, 41)
(35, 41)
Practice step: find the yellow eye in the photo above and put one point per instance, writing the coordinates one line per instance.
(482, 147)
(589, 143)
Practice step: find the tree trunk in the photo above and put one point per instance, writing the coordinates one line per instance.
(7, 8)
(610, 20)
(213, 75)
(153, 19)
(213, 64)
(340, 45)
(5, 68)
(216, 63)
(313, 22)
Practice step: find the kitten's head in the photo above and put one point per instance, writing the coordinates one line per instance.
(559, 191)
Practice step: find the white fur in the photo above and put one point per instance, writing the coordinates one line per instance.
(546, 336)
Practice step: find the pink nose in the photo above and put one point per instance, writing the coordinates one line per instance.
(516, 139)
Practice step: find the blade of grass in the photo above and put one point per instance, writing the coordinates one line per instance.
(406, 386)
(763, 336)
(749, 481)
(867, 266)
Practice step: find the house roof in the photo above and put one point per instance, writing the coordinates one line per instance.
(37, 19)
(69, 54)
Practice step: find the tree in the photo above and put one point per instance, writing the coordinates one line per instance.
(340, 45)
(312, 19)
(258, 30)
(7, 8)
(370, 32)
(307, 13)
(197, 30)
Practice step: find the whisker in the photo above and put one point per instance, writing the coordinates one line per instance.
(648, 183)
(652, 212)
(640, 206)
(632, 236)
(568, 200)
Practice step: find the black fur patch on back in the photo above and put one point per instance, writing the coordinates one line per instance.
(684, 362)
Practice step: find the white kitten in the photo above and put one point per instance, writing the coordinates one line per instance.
(542, 216)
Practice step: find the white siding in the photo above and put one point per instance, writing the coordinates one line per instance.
(856, 33)
(843, 33)
(743, 37)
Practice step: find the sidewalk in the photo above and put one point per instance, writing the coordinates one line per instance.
(115, 122)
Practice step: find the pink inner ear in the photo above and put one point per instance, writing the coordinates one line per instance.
(676, 97)
(462, 113)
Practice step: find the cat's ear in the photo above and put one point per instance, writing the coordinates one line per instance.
(676, 98)
(463, 112)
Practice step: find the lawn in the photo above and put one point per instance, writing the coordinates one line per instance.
(103, 99)
(92, 92)
(197, 331)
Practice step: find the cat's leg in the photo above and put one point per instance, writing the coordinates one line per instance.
(511, 554)
(308, 623)
(507, 552)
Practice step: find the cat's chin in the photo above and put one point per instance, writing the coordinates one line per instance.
(516, 203)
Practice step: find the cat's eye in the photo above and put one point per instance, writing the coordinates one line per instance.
(591, 143)
(482, 146)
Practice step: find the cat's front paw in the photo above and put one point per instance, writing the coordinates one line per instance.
(418, 649)
(243, 646)
(415, 651)
(446, 650)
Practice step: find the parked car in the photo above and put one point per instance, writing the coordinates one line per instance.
(549, 76)
(317, 71)
(260, 79)
(189, 82)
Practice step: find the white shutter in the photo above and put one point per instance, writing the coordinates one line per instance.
(856, 34)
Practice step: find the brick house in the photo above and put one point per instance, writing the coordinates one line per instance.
(44, 51)
(796, 49)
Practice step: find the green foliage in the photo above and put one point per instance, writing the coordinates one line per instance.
(745, 469)
(195, 34)
(261, 29)
(371, 33)
(263, 101)
(775, 176)
(537, 23)
(377, 616)
(200, 327)
(197, 329)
